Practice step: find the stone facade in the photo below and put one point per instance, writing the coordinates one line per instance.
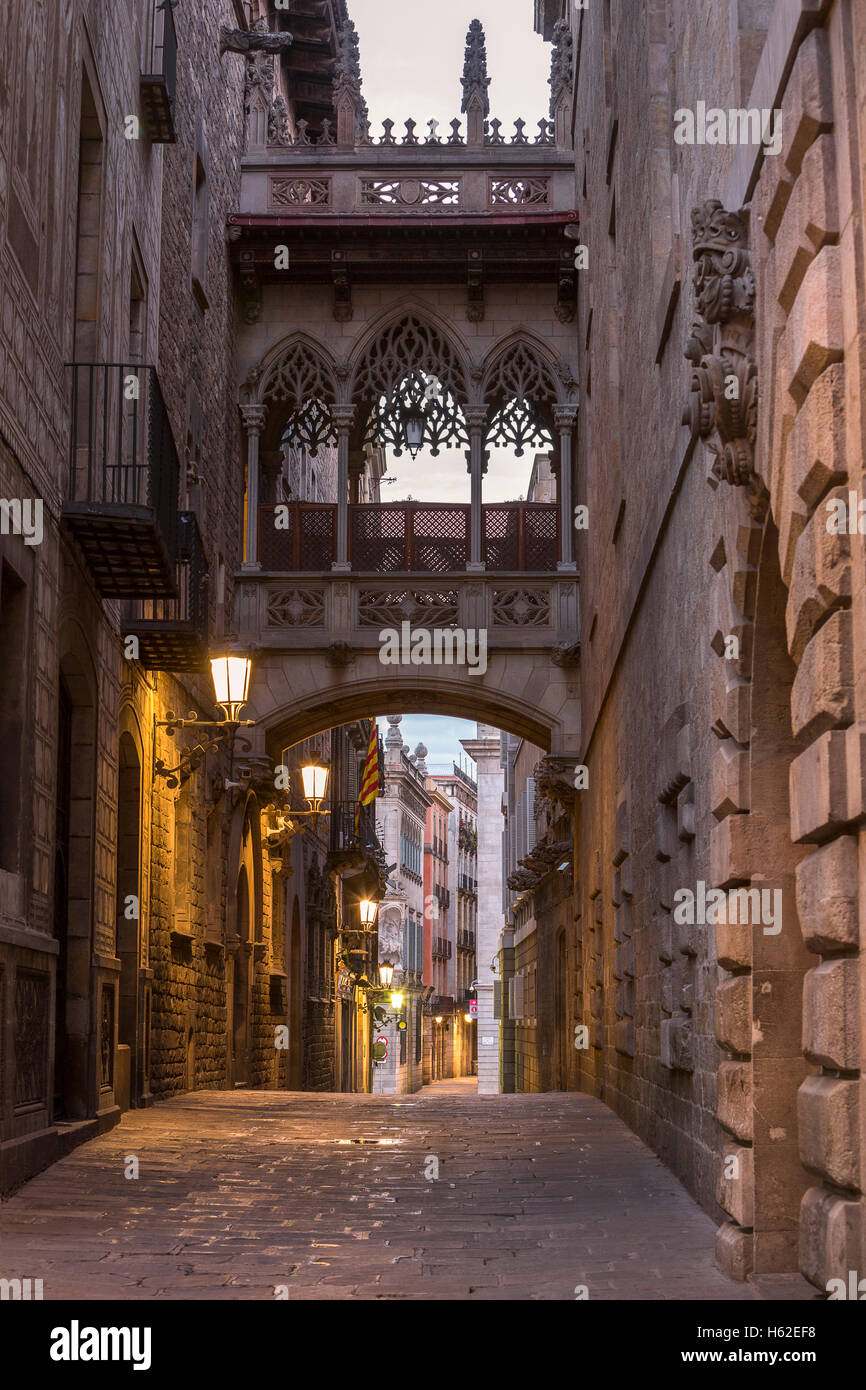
(150, 943)
(720, 684)
(402, 818)
(96, 268)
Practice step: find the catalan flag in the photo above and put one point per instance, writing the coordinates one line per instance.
(370, 776)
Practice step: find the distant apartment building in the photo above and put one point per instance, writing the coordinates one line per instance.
(536, 894)
(462, 790)
(402, 817)
(438, 942)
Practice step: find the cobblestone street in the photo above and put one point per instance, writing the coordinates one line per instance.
(240, 1193)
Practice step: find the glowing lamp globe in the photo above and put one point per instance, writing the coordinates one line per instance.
(231, 683)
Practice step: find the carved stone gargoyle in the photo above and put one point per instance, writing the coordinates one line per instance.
(554, 780)
(259, 39)
(723, 407)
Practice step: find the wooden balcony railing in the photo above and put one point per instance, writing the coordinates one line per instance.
(410, 537)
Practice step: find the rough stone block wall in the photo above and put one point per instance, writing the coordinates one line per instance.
(644, 987)
(744, 768)
(319, 1055)
(809, 244)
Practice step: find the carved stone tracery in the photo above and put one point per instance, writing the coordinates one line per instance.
(724, 388)
(300, 380)
(520, 391)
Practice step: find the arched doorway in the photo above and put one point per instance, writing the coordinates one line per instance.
(76, 1085)
(561, 1010)
(132, 1082)
(295, 1001)
(241, 986)
(61, 893)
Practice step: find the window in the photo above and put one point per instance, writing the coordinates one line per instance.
(137, 313)
(89, 230)
(13, 647)
(200, 226)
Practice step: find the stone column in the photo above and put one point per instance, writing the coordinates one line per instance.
(565, 418)
(484, 749)
(477, 459)
(254, 419)
(344, 419)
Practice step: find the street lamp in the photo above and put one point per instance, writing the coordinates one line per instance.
(314, 776)
(231, 682)
(440, 1018)
(413, 429)
(396, 1000)
(369, 908)
(386, 974)
(468, 1018)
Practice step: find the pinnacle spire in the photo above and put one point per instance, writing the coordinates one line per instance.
(475, 79)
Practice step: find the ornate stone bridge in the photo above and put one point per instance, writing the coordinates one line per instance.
(371, 267)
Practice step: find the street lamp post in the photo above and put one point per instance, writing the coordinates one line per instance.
(231, 680)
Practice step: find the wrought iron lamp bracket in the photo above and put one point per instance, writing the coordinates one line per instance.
(223, 732)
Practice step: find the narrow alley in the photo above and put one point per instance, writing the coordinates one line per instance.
(257, 1195)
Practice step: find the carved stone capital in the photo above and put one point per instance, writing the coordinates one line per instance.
(254, 418)
(565, 416)
(566, 655)
(343, 417)
(476, 417)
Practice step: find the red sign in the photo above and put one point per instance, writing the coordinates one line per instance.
(473, 1007)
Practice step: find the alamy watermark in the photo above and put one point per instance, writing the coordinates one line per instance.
(20, 1290)
(441, 646)
(737, 126)
(747, 906)
(22, 517)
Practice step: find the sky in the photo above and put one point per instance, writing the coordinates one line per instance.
(441, 737)
(412, 62)
(398, 86)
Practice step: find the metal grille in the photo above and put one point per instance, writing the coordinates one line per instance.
(298, 537)
(502, 539)
(541, 551)
(172, 632)
(409, 538)
(121, 498)
(521, 537)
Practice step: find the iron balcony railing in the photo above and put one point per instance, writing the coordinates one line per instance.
(158, 83)
(442, 895)
(122, 491)
(172, 632)
(442, 947)
(345, 838)
(465, 940)
(467, 884)
(409, 537)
